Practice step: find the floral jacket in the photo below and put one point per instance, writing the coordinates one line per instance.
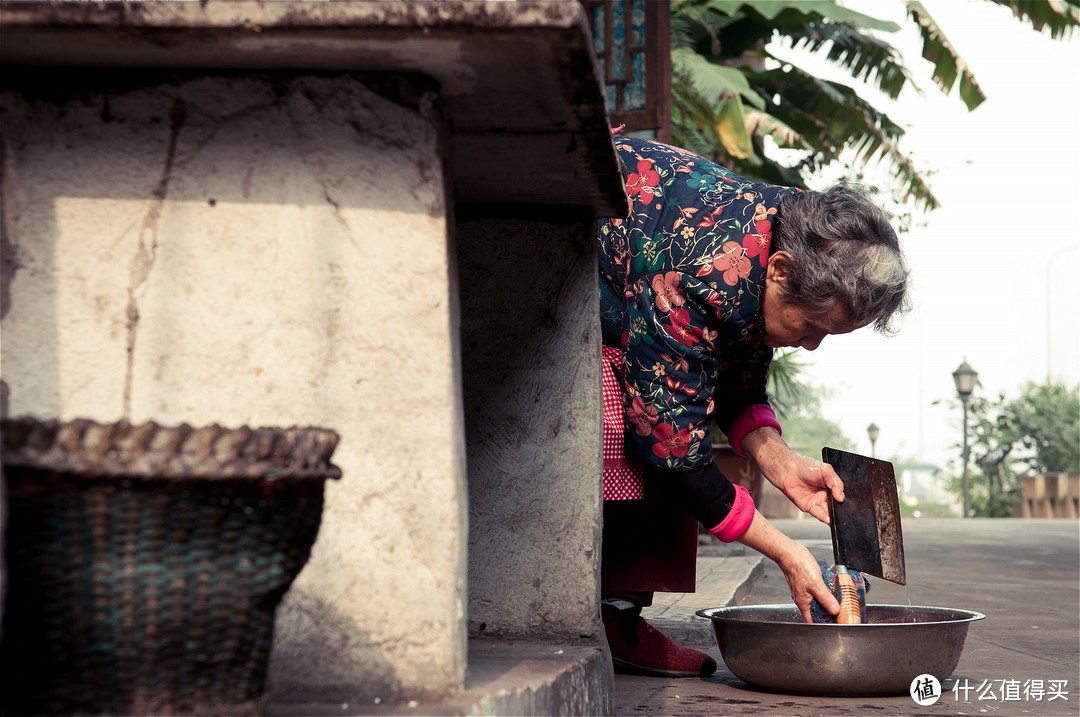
(681, 287)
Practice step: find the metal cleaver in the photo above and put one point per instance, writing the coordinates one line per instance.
(865, 528)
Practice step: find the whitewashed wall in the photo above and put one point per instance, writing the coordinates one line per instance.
(262, 252)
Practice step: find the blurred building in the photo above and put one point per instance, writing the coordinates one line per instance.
(922, 487)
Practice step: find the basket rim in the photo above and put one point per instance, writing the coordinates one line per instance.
(88, 448)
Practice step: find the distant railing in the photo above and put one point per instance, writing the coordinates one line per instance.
(1052, 495)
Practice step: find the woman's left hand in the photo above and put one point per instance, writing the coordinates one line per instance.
(806, 482)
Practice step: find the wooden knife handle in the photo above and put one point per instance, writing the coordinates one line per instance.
(849, 600)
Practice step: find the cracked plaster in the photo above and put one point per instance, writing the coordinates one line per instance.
(240, 251)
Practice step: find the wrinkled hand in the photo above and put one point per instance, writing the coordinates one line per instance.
(800, 568)
(804, 579)
(808, 483)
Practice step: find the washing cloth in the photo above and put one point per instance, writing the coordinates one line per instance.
(862, 585)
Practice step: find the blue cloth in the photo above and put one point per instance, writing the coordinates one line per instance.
(817, 612)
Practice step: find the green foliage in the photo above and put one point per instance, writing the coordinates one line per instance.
(983, 501)
(1036, 432)
(798, 405)
(808, 431)
(1045, 423)
(948, 65)
(787, 392)
(722, 66)
(1060, 17)
(927, 510)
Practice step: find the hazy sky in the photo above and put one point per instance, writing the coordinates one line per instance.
(995, 268)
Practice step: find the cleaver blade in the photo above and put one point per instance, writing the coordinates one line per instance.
(866, 531)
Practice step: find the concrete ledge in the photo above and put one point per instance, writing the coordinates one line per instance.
(519, 79)
(505, 678)
(534, 678)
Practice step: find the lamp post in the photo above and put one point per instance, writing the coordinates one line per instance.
(964, 378)
(873, 431)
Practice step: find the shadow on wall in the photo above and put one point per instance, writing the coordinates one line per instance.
(530, 364)
(332, 662)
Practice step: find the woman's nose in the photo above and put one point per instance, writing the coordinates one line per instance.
(811, 342)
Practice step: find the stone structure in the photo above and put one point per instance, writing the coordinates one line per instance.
(371, 216)
(1049, 495)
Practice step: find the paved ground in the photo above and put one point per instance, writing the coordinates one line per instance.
(1023, 574)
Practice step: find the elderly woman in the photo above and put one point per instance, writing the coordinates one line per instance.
(707, 274)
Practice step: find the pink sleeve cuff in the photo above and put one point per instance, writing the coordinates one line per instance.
(738, 520)
(757, 416)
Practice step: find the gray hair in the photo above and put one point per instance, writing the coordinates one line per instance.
(844, 249)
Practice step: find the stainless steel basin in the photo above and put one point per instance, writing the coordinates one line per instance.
(769, 646)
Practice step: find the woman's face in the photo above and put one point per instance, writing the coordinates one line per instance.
(788, 325)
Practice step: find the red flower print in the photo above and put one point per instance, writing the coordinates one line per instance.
(679, 364)
(643, 181)
(687, 335)
(733, 263)
(757, 245)
(709, 335)
(760, 213)
(681, 328)
(685, 215)
(669, 442)
(642, 417)
(666, 288)
(709, 219)
(716, 300)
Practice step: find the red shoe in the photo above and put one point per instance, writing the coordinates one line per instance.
(638, 648)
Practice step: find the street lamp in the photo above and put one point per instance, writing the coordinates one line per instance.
(872, 431)
(964, 378)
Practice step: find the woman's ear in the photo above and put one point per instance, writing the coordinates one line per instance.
(779, 267)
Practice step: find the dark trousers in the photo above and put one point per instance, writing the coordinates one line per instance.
(649, 545)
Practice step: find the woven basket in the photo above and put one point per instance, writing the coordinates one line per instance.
(145, 563)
